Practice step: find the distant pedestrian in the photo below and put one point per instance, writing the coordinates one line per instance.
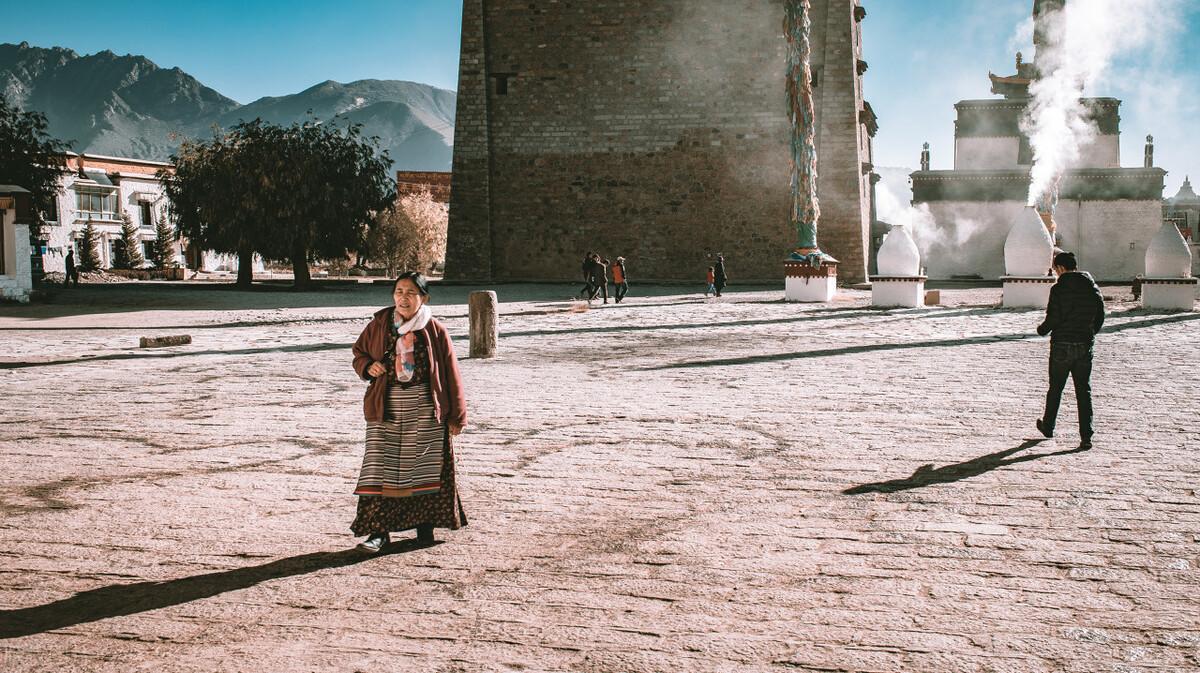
(600, 277)
(719, 277)
(620, 280)
(588, 274)
(414, 405)
(72, 272)
(710, 287)
(1074, 316)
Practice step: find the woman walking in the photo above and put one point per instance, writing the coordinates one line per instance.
(719, 277)
(413, 406)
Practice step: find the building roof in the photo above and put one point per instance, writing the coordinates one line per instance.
(12, 189)
(1088, 184)
(1186, 196)
(1012, 86)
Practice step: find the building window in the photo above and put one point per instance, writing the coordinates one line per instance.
(96, 202)
(501, 79)
(148, 250)
(147, 215)
(51, 214)
(114, 244)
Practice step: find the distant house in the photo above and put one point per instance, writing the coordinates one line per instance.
(99, 189)
(16, 281)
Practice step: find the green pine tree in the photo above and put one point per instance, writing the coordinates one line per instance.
(162, 253)
(89, 259)
(129, 250)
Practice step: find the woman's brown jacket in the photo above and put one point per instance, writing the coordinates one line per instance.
(449, 403)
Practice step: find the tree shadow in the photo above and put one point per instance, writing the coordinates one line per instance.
(928, 475)
(118, 600)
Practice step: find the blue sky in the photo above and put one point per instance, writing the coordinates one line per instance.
(924, 55)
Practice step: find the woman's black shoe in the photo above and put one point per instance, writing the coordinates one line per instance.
(375, 543)
(425, 533)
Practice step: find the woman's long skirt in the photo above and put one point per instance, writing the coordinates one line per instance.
(407, 477)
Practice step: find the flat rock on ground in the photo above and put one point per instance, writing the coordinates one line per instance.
(674, 483)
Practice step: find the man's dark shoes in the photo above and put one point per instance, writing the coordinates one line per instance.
(1042, 429)
(375, 543)
(1085, 443)
(425, 533)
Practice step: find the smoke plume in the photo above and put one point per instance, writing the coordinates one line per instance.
(1080, 43)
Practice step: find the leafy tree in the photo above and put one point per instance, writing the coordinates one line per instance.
(332, 181)
(129, 250)
(162, 251)
(207, 196)
(296, 193)
(89, 259)
(30, 158)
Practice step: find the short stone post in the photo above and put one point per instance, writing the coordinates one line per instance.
(485, 331)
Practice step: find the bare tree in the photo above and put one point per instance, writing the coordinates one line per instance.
(411, 235)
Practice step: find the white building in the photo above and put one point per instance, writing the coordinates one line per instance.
(16, 281)
(1106, 213)
(100, 189)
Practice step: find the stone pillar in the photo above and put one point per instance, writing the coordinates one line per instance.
(484, 324)
(1028, 256)
(843, 161)
(1169, 283)
(900, 282)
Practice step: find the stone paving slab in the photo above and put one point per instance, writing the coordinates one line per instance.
(671, 484)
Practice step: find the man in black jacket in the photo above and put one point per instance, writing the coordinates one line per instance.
(1073, 317)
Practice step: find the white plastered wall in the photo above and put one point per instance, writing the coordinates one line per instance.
(967, 237)
(975, 153)
(16, 282)
(1103, 152)
(1109, 237)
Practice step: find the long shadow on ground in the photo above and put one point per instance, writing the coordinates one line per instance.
(932, 343)
(927, 475)
(118, 600)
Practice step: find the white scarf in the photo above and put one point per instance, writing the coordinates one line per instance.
(405, 360)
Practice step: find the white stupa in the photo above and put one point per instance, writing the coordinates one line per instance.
(899, 281)
(1028, 256)
(1168, 283)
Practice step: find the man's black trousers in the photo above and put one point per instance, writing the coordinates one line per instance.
(1074, 360)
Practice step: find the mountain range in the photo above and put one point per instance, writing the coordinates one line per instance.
(128, 106)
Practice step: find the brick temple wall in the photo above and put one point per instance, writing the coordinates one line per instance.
(653, 130)
(415, 182)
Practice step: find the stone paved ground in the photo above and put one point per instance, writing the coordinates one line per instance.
(672, 484)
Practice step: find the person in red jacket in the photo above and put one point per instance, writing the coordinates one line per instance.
(414, 405)
(620, 280)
